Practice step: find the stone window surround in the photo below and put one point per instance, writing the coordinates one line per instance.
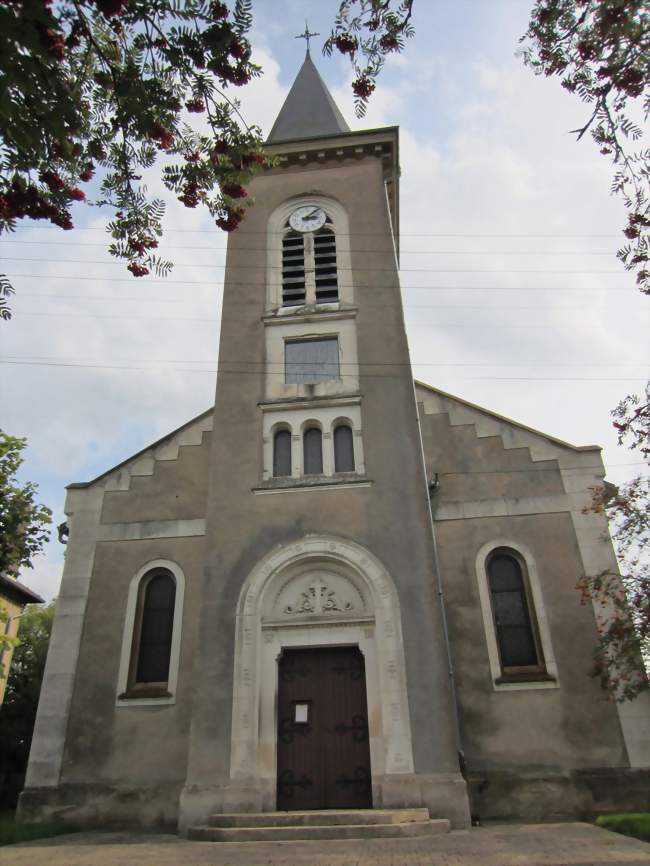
(539, 613)
(283, 329)
(275, 234)
(297, 419)
(128, 636)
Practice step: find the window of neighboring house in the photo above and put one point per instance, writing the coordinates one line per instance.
(281, 453)
(312, 442)
(309, 267)
(152, 638)
(520, 651)
(343, 449)
(307, 362)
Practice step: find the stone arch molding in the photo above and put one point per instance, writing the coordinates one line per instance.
(341, 227)
(319, 591)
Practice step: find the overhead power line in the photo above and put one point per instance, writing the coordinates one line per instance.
(341, 375)
(355, 270)
(146, 281)
(355, 250)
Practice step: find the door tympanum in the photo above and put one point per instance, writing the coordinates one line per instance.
(323, 746)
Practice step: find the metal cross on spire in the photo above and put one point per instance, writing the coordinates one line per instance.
(306, 35)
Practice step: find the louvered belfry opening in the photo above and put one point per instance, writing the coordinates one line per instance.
(309, 271)
(327, 290)
(293, 270)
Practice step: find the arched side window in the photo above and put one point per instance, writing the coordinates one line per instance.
(152, 639)
(516, 629)
(343, 449)
(312, 442)
(281, 453)
(309, 266)
(152, 630)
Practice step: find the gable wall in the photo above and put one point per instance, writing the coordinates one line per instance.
(500, 482)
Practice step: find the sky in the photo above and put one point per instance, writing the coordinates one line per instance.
(512, 294)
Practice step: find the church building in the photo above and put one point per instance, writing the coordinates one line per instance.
(337, 588)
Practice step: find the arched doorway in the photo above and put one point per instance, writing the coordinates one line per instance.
(320, 593)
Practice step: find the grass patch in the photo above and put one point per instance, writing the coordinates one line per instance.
(636, 824)
(12, 831)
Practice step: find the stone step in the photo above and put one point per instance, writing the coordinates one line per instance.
(320, 818)
(314, 833)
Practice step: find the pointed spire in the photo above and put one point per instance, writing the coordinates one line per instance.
(309, 110)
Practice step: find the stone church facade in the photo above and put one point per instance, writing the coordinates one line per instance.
(337, 587)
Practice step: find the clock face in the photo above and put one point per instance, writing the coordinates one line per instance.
(308, 218)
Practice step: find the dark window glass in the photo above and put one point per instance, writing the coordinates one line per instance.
(511, 615)
(156, 629)
(313, 451)
(343, 449)
(293, 270)
(311, 361)
(282, 453)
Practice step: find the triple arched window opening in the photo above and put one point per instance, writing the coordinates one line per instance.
(312, 451)
(309, 268)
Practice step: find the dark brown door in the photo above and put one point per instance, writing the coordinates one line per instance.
(323, 748)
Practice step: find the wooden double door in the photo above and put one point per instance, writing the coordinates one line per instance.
(323, 744)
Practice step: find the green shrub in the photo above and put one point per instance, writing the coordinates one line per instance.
(12, 831)
(635, 824)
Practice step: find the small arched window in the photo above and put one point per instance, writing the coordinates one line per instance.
(520, 650)
(343, 449)
(282, 453)
(312, 442)
(154, 625)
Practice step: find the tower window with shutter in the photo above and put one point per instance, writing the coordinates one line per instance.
(309, 267)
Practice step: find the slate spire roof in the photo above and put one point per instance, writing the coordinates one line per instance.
(309, 110)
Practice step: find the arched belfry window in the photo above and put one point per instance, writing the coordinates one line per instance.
(309, 266)
(520, 651)
(312, 442)
(343, 449)
(281, 453)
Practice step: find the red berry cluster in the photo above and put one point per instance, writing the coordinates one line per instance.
(234, 190)
(190, 197)
(87, 173)
(164, 137)
(51, 179)
(362, 87)
(141, 245)
(110, 7)
(54, 42)
(195, 106)
(238, 50)
(218, 11)
(232, 219)
(76, 194)
(346, 43)
(22, 200)
(137, 270)
(389, 42)
(253, 157)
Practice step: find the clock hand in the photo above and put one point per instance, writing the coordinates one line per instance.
(313, 213)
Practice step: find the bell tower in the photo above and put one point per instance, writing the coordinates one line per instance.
(319, 533)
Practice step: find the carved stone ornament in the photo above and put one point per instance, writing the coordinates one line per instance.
(318, 599)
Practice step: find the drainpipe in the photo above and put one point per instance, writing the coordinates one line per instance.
(432, 487)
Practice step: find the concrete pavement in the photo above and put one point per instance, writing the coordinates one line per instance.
(570, 844)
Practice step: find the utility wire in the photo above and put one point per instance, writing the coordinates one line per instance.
(212, 284)
(264, 372)
(355, 250)
(264, 267)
